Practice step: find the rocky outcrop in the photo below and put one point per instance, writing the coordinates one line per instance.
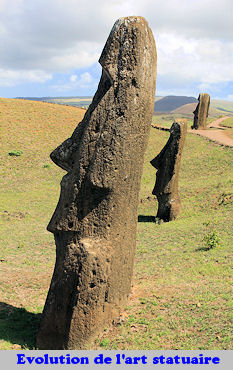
(167, 162)
(95, 221)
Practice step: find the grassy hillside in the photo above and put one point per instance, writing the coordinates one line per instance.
(228, 123)
(76, 101)
(186, 105)
(170, 103)
(223, 106)
(174, 104)
(181, 289)
(188, 109)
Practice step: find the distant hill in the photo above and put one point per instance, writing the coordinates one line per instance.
(76, 101)
(170, 103)
(185, 109)
(188, 109)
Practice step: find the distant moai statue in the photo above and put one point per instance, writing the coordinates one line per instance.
(94, 224)
(167, 162)
(201, 112)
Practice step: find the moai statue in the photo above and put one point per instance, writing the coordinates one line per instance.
(201, 112)
(95, 220)
(167, 162)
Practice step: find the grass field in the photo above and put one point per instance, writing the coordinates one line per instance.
(228, 123)
(223, 106)
(74, 101)
(181, 289)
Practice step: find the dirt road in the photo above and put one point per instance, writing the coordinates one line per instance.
(218, 135)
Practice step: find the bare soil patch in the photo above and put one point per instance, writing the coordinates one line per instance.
(219, 135)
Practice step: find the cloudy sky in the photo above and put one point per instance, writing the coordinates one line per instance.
(51, 47)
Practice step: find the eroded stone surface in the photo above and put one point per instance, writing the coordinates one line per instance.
(201, 112)
(95, 221)
(167, 162)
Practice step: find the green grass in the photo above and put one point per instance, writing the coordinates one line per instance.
(223, 106)
(16, 153)
(181, 290)
(228, 122)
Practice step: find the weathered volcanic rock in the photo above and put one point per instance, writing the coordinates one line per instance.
(95, 221)
(201, 112)
(167, 162)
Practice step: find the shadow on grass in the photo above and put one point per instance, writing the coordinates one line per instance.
(18, 326)
(202, 249)
(142, 218)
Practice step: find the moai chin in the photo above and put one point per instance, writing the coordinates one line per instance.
(94, 224)
(201, 112)
(167, 162)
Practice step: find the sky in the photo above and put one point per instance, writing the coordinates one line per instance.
(52, 47)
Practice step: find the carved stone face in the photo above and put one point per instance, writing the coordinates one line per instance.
(167, 161)
(95, 220)
(98, 154)
(116, 71)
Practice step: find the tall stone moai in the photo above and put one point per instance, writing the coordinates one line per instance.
(94, 224)
(167, 162)
(201, 112)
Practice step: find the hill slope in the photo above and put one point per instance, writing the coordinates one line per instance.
(170, 103)
(188, 109)
(181, 289)
(223, 106)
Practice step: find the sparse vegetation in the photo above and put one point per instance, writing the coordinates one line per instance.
(181, 291)
(228, 123)
(15, 153)
(211, 240)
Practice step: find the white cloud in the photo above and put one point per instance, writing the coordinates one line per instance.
(85, 81)
(190, 18)
(73, 78)
(10, 78)
(189, 61)
(194, 38)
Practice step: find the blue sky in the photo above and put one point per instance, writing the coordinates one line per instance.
(51, 47)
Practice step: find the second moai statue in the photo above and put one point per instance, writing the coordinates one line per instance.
(167, 162)
(94, 224)
(201, 112)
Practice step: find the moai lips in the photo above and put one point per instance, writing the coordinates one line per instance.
(95, 221)
(201, 112)
(167, 162)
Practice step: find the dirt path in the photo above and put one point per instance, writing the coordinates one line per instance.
(218, 135)
(216, 123)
